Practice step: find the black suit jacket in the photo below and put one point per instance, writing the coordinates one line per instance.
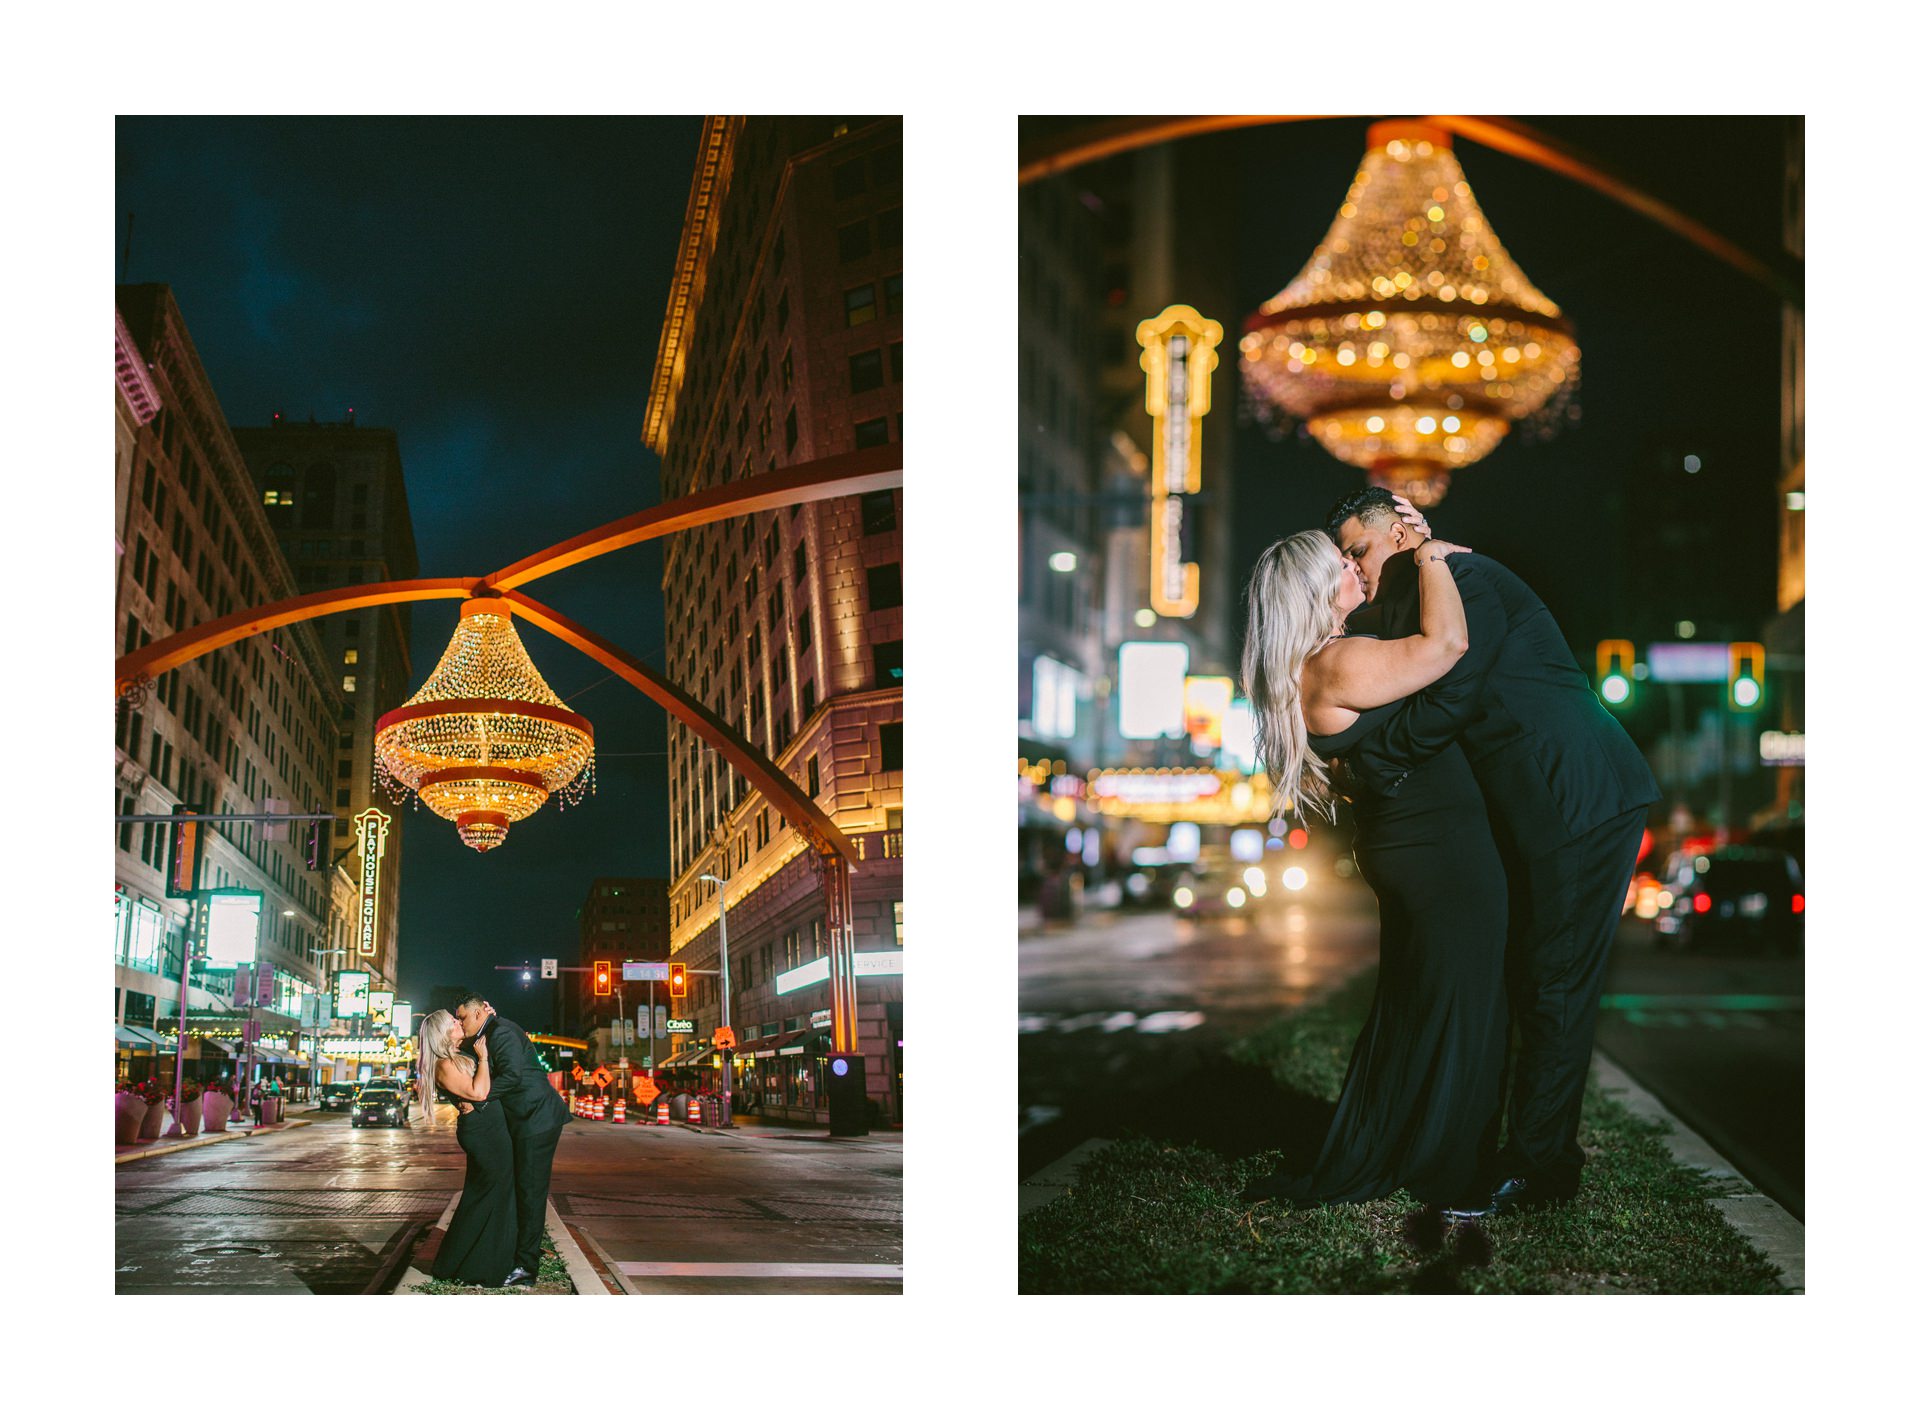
(519, 1082)
(1551, 760)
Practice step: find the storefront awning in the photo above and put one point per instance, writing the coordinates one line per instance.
(218, 1045)
(129, 1035)
(771, 1043)
(689, 1057)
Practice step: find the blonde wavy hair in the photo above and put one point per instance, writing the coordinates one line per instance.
(434, 1044)
(1290, 615)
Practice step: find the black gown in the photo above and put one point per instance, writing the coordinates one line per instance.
(478, 1247)
(1420, 1106)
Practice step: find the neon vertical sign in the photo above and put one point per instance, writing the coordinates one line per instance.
(372, 827)
(1177, 354)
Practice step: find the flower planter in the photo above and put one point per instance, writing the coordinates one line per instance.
(150, 1122)
(215, 1108)
(186, 1121)
(128, 1112)
(269, 1110)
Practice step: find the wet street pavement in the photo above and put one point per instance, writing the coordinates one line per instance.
(760, 1209)
(317, 1209)
(1720, 1037)
(1123, 1017)
(328, 1209)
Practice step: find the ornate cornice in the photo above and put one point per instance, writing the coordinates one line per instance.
(130, 372)
(689, 276)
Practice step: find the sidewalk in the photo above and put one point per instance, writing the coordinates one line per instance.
(166, 1145)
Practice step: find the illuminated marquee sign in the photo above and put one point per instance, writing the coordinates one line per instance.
(372, 828)
(402, 1017)
(865, 963)
(1207, 701)
(350, 993)
(233, 926)
(380, 1005)
(1178, 357)
(1783, 748)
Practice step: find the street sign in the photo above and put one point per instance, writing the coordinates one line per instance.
(645, 1089)
(679, 1025)
(549, 969)
(643, 969)
(579, 1073)
(639, 1027)
(723, 1039)
(601, 1075)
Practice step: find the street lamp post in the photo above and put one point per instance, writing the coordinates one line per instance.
(726, 1011)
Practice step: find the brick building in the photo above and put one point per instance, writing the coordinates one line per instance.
(224, 733)
(783, 346)
(623, 918)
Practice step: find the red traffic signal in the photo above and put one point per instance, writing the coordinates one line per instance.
(677, 979)
(602, 978)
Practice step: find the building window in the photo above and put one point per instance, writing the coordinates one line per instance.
(800, 562)
(870, 433)
(863, 370)
(806, 699)
(849, 178)
(876, 511)
(856, 241)
(780, 313)
(888, 666)
(861, 306)
(793, 429)
(887, 228)
(894, 356)
(349, 683)
(352, 658)
(883, 587)
(346, 768)
(813, 776)
(899, 929)
(893, 295)
(804, 636)
(343, 798)
(890, 755)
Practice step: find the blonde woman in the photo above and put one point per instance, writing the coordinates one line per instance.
(1422, 1085)
(478, 1247)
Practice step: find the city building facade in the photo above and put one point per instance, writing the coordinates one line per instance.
(623, 918)
(226, 733)
(335, 495)
(783, 346)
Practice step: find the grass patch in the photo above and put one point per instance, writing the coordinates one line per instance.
(552, 1278)
(1154, 1217)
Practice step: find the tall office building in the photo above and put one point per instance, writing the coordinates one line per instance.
(782, 345)
(224, 733)
(336, 497)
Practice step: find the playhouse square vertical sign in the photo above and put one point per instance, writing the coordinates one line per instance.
(372, 828)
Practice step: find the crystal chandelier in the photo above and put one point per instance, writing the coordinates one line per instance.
(485, 741)
(1411, 341)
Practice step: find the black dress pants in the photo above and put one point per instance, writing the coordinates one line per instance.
(532, 1173)
(1568, 904)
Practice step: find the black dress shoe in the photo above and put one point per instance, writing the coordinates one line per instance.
(1521, 1193)
(517, 1277)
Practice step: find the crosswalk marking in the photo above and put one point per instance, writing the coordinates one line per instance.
(1166, 1021)
(759, 1270)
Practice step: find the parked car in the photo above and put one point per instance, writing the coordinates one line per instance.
(380, 1104)
(1744, 895)
(336, 1096)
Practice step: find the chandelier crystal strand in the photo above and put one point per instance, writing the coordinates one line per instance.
(485, 742)
(1411, 342)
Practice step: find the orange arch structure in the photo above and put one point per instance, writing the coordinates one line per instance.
(1114, 136)
(860, 472)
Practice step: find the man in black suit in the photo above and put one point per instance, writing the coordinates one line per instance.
(1567, 792)
(535, 1113)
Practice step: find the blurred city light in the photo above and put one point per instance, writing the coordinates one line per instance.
(1236, 897)
(1691, 464)
(1183, 896)
(1256, 880)
(1294, 878)
(1153, 678)
(1145, 617)
(1183, 842)
(1063, 562)
(1246, 844)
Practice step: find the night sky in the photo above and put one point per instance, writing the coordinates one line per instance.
(1680, 355)
(492, 290)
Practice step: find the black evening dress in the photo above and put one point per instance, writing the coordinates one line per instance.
(1420, 1107)
(478, 1247)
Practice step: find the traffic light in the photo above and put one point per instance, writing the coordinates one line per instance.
(1615, 672)
(677, 979)
(183, 866)
(602, 978)
(1746, 675)
(319, 843)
